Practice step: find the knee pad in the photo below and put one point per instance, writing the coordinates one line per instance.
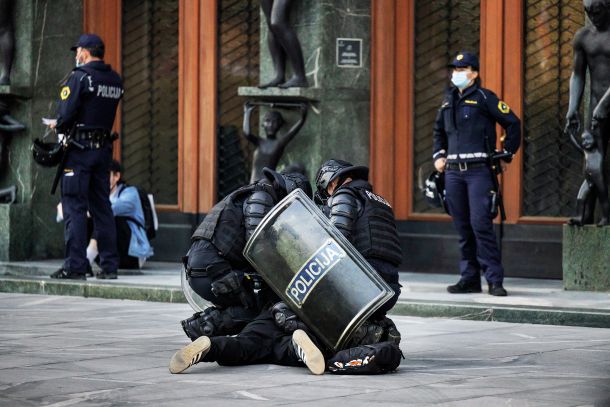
(218, 321)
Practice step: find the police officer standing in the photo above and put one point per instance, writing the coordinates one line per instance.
(464, 139)
(86, 112)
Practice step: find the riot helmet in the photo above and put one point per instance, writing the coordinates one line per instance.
(47, 154)
(288, 182)
(434, 190)
(338, 169)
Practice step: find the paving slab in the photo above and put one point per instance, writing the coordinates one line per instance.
(100, 352)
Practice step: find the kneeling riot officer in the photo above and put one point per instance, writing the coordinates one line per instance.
(464, 144)
(367, 221)
(215, 266)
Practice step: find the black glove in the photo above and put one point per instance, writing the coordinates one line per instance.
(286, 319)
(232, 284)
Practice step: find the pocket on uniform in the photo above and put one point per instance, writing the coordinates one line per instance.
(70, 184)
(466, 112)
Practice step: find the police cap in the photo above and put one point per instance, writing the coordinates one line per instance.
(465, 59)
(88, 41)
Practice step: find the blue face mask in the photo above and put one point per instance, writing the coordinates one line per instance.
(77, 63)
(460, 79)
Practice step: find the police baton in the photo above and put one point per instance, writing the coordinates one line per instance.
(62, 163)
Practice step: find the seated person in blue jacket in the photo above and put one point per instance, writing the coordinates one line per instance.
(133, 245)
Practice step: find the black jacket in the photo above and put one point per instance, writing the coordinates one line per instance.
(89, 98)
(464, 122)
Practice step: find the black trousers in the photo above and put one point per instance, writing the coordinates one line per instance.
(123, 237)
(261, 341)
(389, 273)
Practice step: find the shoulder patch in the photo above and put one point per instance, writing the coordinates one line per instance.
(503, 107)
(65, 93)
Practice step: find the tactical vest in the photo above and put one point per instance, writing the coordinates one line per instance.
(375, 233)
(99, 108)
(224, 225)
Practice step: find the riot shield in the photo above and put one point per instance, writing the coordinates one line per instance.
(195, 301)
(315, 269)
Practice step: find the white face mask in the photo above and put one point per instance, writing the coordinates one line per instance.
(460, 79)
(77, 61)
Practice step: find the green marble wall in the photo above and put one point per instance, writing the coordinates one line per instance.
(586, 258)
(338, 122)
(44, 32)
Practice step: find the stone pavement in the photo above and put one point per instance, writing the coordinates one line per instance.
(529, 300)
(74, 351)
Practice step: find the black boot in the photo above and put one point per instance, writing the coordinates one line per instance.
(63, 274)
(465, 287)
(497, 290)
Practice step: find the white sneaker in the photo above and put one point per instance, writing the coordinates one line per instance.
(189, 355)
(308, 352)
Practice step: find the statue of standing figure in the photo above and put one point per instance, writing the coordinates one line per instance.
(269, 149)
(7, 41)
(8, 126)
(283, 45)
(592, 53)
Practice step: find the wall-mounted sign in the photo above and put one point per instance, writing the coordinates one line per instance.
(349, 52)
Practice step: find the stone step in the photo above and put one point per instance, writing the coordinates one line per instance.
(117, 289)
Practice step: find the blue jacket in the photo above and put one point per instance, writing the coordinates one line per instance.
(464, 122)
(126, 202)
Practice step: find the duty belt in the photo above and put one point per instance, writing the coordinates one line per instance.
(465, 166)
(93, 138)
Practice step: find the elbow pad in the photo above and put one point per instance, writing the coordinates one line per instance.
(344, 209)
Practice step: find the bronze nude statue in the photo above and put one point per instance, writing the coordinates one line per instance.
(595, 180)
(7, 41)
(283, 45)
(592, 54)
(269, 149)
(8, 126)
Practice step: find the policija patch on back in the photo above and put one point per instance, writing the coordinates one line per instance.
(313, 271)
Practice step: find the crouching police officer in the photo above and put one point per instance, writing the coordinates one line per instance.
(367, 221)
(87, 107)
(215, 266)
(464, 140)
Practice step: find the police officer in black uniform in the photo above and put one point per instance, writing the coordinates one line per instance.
(367, 221)
(215, 266)
(86, 112)
(464, 138)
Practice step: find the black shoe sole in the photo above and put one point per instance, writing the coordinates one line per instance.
(455, 290)
(104, 276)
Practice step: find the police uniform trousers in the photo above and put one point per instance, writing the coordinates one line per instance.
(85, 186)
(261, 341)
(204, 254)
(468, 196)
(389, 273)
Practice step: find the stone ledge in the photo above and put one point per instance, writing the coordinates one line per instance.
(87, 289)
(302, 94)
(428, 309)
(486, 312)
(21, 92)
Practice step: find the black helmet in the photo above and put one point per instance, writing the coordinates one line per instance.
(289, 181)
(47, 154)
(434, 190)
(333, 169)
